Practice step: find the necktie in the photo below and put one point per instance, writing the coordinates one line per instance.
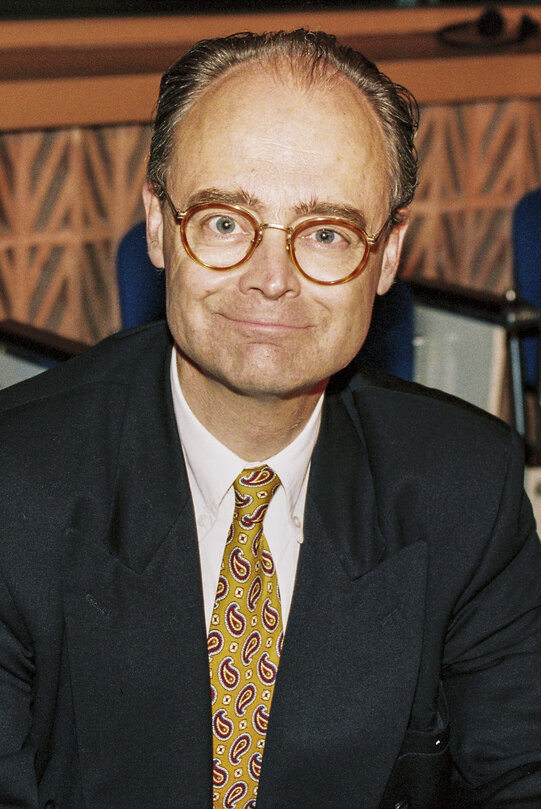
(244, 645)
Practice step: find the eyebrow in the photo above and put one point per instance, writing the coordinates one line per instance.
(314, 207)
(220, 195)
(317, 207)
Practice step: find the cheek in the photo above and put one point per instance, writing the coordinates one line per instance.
(191, 294)
(182, 293)
(352, 320)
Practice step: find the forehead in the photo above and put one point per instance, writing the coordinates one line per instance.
(282, 140)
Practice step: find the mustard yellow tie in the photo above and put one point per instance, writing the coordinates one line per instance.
(244, 645)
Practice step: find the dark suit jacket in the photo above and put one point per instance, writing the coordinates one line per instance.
(410, 670)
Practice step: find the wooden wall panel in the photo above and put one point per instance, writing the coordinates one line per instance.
(66, 198)
(476, 161)
(68, 195)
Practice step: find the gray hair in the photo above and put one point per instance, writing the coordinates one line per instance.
(312, 56)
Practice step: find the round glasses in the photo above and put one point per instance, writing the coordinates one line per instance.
(325, 249)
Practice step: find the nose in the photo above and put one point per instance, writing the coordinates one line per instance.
(269, 269)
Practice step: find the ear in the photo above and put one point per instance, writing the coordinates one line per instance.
(154, 217)
(392, 251)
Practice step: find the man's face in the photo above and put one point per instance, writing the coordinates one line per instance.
(262, 329)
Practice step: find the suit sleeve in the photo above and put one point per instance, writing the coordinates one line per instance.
(492, 661)
(17, 776)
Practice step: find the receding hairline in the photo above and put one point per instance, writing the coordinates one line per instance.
(299, 71)
(313, 58)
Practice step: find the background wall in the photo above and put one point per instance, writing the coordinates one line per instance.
(68, 195)
(72, 163)
(66, 198)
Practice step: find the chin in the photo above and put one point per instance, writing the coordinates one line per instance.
(283, 386)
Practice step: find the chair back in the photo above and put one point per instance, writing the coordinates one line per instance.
(389, 343)
(526, 237)
(141, 286)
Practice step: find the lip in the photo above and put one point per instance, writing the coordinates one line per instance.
(267, 326)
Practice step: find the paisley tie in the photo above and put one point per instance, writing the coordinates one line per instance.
(244, 644)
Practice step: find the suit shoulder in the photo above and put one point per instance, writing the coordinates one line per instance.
(61, 433)
(114, 360)
(412, 398)
(426, 423)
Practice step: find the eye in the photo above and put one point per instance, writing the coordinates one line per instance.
(219, 224)
(326, 236)
(225, 225)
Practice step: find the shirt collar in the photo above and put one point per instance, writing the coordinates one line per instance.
(214, 467)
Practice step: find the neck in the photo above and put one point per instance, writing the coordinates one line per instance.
(254, 428)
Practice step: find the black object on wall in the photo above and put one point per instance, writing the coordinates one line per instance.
(43, 9)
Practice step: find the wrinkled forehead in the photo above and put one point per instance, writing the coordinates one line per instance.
(289, 101)
(294, 70)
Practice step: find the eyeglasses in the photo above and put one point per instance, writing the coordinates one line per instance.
(327, 250)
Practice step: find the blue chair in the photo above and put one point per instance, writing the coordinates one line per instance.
(389, 343)
(526, 237)
(141, 286)
(388, 346)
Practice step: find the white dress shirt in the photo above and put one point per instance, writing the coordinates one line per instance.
(212, 469)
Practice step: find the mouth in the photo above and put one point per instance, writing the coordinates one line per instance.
(264, 325)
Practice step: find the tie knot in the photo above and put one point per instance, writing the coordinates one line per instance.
(254, 489)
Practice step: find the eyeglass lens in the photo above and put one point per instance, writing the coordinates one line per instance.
(325, 250)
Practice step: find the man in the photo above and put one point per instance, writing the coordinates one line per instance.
(365, 631)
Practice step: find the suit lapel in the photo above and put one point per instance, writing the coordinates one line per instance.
(151, 486)
(351, 653)
(135, 622)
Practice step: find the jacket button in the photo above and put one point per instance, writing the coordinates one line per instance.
(401, 805)
(51, 805)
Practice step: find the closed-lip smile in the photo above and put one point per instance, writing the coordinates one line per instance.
(262, 324)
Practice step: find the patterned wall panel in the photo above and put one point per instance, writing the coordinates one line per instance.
(67, 196)
(476, 161)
